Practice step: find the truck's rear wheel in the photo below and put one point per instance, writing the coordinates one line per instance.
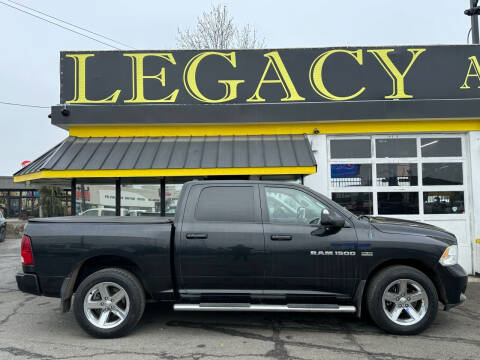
(402, 300)
(109, 303)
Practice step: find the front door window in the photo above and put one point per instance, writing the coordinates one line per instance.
(290, 206)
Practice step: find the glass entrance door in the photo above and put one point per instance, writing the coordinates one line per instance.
(13, 207)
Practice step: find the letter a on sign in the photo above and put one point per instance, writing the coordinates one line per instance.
(283, 78)
(473, 71)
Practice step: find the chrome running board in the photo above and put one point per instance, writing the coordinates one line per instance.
(324, 308)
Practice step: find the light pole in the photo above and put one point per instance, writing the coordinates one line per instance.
(473, 12)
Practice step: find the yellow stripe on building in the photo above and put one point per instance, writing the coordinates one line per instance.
(67, 174)
(343, 127)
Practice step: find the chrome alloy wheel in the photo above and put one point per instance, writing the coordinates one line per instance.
(106, 305)
(405, 302)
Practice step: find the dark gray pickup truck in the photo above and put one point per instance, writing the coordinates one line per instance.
(244, 246)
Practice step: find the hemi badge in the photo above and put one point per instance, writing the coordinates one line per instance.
(366, 253)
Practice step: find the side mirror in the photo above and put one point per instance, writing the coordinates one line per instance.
(332, 219)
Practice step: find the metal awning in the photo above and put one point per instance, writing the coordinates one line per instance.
(80, 157)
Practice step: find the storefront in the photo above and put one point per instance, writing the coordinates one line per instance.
(383, 131)
(19, 200)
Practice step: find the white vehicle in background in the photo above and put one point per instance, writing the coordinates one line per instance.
(98, 212)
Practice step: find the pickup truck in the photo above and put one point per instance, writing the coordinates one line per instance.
(244, 246)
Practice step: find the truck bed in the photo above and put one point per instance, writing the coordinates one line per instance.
(63, 244)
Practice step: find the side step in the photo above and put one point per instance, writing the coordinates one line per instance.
(324, 308)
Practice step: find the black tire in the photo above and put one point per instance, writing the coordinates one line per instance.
(3, 234)
(379, 284)
(136, 298)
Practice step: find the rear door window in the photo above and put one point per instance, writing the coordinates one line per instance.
(226, 203)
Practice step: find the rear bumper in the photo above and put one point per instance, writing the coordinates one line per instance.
(28, 283)
(454, 280)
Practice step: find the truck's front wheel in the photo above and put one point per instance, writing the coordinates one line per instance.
(109, 303)
(402, 300)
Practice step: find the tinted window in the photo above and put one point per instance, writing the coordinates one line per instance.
(397, 203)
(351, 175)
(226, 203)
(396, 148)
(443, 202)
(439, 147)
(292, 206)
(397, 175)
(344, 149)
(359, 203)
(442, 174)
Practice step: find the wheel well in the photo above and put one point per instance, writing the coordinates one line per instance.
(413, 263)
(108, 261)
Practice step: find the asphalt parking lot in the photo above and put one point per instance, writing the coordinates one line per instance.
(33, 327)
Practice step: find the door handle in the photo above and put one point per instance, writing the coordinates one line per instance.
(197, 236)
(281, 237)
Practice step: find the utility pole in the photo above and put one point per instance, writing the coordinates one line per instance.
(473, 12)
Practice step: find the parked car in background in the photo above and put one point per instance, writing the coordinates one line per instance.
(98, 212)
(171, 211)
(147, 213)
(3, 227)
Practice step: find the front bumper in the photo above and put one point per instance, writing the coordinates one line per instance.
(454, 280)
(28, 283)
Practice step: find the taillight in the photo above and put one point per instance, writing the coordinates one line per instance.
(27, 253)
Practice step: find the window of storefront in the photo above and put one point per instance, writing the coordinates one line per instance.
(95, 199)
(398, 175)
(140, 199)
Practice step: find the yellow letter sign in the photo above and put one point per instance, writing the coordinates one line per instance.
(138, 78)
(190, 78)
(316, 77)
(476, 72)
(397, 77)
(80, 96)
(283, 78)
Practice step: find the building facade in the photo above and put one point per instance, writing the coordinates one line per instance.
(382, 131)
(23, 199)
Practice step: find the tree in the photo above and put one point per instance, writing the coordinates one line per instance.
(50, 201)
(216, 30)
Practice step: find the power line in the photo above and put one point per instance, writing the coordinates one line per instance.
(68, 23)
(63, 27)
(24, 105)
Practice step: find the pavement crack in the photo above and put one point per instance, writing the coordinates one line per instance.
(16, 309)
(14, 351)
(279, 351)
(247, 335)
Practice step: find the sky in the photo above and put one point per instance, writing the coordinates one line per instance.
(29, 47)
